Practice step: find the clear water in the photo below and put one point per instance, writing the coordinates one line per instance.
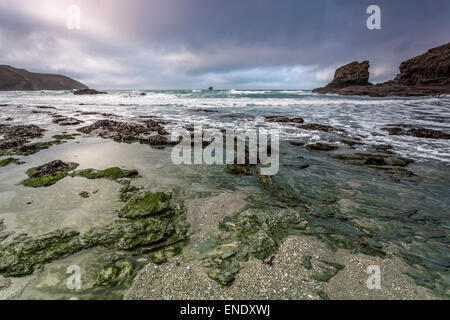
(364, 196)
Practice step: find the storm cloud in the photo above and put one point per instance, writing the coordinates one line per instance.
(167, 44)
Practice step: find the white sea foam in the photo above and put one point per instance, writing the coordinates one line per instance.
(247, 108)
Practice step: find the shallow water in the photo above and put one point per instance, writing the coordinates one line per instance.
(348, 200)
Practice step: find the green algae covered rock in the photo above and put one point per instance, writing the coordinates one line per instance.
(62, 137)
(240, 170)
(84, 194)
(116, 273)
(8, 161)
(113, 173)
(306, 262)
(224, 271)
(146, 205)
(252, 233)
(129, 234)
(329, 270)
(165, 254)
(48, 174)
(20, 256)
(162, 235)
(128, 191)
(139, 235)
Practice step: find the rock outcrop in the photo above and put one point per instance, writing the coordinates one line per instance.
(352, 74)
(87, 91)
(12, 79)
(427, 74)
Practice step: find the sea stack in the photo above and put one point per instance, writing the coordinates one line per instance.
(427, 74)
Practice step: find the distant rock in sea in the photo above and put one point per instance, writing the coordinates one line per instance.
(427, 74)
(12, 79)
(88, 91)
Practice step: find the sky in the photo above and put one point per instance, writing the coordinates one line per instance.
(228, 44)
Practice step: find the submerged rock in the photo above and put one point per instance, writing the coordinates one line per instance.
(66, 121)
(48, 174)
(146, 205)
(4, 234)
(116, 273)
(283, 119)
(297, 143)
(252, 233)
(84, 194)
(321, 147)
(62, 137)
(416, 132)
(113, 173)
(319, 127)
(8, 161)
(386, 163)
(20, 256)
(4, 283)
(140, 235)
(373, 159)
(330, 269)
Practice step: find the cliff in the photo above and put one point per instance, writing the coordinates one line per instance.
(427, 74)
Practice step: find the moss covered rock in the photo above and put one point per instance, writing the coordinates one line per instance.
(146, 205)
(116, 273)
(20, 256)
(84, 194)
(8, 161)
(48, 174)
(252, 233)
(329, 270)
(138, 236)
(113, 173)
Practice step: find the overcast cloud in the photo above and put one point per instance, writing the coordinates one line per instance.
(168, 44)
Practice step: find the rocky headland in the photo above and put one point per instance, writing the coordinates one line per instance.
(12, 79)
(424, 75)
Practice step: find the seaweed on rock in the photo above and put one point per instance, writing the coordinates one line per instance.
(252, 233)
(20, 256)
(113, 173)
(48, 174)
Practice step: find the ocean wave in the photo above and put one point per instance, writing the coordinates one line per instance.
(359, 116)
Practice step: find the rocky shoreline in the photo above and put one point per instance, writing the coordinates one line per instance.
(424, 75)
(279, 243)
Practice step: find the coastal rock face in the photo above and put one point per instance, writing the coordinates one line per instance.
(19, 79)
(427, 74)
(431, 68)
(352, 74)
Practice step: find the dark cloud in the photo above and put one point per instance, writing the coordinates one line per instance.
(251, 43)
